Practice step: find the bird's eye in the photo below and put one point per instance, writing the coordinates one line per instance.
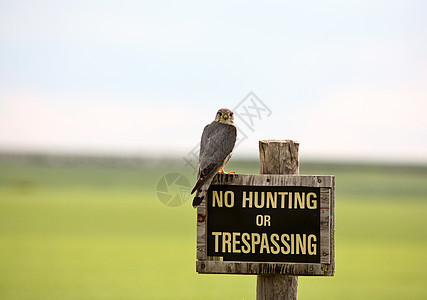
(231, 114)
(220, 114)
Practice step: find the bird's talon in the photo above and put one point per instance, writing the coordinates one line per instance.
(223, 172)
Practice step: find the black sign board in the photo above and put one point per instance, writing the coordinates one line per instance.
(264, 223)
(267, 224)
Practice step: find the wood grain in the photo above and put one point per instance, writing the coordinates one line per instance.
(201, 231)
(326, 183)
(278, 157)
(232, 267)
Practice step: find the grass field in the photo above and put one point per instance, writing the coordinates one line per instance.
(87, 231)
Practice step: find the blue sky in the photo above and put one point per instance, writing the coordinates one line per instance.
(345, 79)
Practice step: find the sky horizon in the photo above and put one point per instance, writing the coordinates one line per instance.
(346, 80)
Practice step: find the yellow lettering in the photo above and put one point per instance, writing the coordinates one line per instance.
(229, 201)
(247, 199)
(236, 242)
(299, 200)
(255, 240)
(300, 244)
(311, 203)
(226, 241)
(259, 221)
(312, 247)
(285, 243)
(217, 198)
(292, 244)
(216, 234)
(264, 243)
(282, 198)
(245, 237)
(274, 240)
(271, 200)
(267, 220)
(259, 201)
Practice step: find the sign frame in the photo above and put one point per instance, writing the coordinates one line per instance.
(214, 265)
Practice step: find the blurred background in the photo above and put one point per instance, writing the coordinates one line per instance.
(102, 106)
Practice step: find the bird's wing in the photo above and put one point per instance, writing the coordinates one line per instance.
(217, 143)
(207, 133)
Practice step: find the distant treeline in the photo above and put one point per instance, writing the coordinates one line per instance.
(321, 166)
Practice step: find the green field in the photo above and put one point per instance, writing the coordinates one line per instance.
(93, 231)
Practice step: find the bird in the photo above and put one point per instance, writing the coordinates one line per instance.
(216, 146)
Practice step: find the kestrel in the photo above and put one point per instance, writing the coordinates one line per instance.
(216, 146)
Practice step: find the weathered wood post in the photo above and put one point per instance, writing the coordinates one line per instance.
(277, 225)
(278, 157)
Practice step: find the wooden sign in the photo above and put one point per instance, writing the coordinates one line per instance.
(267, 224)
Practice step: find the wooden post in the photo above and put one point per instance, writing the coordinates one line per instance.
(278, 157)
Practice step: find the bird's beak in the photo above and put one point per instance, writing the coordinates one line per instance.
(225, 117)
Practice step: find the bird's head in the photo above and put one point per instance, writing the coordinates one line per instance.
(225, 116)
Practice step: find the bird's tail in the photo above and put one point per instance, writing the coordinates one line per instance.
(200, 196)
